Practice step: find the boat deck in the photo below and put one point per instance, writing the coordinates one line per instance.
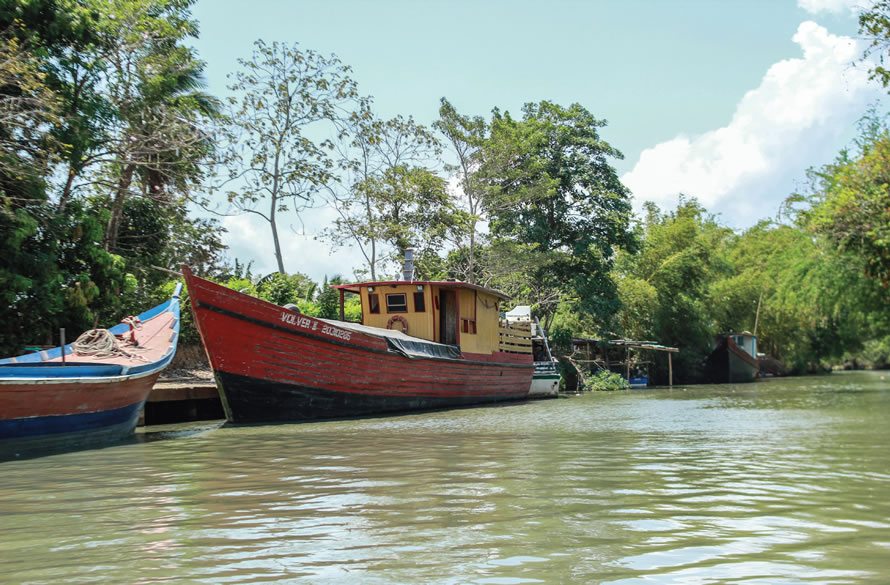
(153, 338)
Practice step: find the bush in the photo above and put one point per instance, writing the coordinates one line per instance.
(606, 380)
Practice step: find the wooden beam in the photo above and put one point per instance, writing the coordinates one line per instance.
(670, 370)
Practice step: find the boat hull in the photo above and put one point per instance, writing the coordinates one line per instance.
(49, 403)
(44, 416)
(272, 365)
(254, 400)
(729, 364)
(545, 383)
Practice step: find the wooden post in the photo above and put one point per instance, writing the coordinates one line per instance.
(342, 310)
(627, 363)
(670, 370)
(757, 315)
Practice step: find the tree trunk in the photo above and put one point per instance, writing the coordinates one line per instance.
(273, 207)
(373, 239)
(75, 104)
(471, 277)
(117, 208)
(66, 191)
(275, 242)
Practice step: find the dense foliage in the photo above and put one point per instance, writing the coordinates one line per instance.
(808, 302)
(102, 136)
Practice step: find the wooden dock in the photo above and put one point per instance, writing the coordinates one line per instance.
(182, 400)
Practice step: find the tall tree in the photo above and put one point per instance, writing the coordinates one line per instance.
(287, 96)
(664, 287)
(466, 137)
(850, 203)
(384, 175)
(550, 185)
(63, 40)
(107, 67)
(155, 87)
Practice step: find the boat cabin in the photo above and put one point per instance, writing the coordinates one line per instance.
(745, 341)
(449, 312)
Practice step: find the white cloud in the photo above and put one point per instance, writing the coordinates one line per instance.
(800, 116)
(835, 6)
(250, 239)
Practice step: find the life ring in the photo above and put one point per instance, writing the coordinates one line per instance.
(401, 320)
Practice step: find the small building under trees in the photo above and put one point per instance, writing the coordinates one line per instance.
(631, 359)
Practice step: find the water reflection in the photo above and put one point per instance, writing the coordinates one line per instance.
(779, 482)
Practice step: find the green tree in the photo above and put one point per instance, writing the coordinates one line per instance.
(329, 299)
(158, 137)
(549, 184)
(283, 289)
(850, 205)
(91, 103)
(808, 304)
(466, 136)
(388, 200)
(62, 41)
(286, 96)
(664, 288)
(874, 26)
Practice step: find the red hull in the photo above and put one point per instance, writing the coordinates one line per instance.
(274, 365)
(62, 399)
(65, 397)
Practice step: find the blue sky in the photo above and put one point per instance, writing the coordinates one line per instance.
(729, 101)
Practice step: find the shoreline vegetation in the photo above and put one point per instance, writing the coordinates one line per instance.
(109, 143)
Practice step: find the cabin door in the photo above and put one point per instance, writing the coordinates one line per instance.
(447, 317)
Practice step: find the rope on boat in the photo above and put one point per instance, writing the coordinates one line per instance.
(101, 343)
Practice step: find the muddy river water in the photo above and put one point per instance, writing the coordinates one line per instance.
(781, 481)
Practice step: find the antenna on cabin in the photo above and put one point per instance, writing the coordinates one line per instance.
(408, 265)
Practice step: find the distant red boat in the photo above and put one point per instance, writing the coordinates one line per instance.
(274, 364)
(51, 400)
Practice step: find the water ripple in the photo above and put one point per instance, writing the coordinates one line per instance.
(782, 482)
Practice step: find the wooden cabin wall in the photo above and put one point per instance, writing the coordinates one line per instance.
(482, 308)
(419, 324)
(473, 306)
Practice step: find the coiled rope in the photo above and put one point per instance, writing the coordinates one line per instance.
(101, 343)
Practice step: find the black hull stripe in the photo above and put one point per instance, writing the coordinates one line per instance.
(252, 400)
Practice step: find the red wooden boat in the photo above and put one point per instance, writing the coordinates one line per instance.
(51, 400)
(275, 364)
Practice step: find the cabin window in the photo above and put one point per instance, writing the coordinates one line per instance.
(419, 302)
(374, 303)
(468, 325)
(397, 303)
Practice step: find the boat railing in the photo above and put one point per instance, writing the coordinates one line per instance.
(515, 336)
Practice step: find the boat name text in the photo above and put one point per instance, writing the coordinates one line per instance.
(313, 325)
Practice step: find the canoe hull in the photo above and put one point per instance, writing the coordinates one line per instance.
(68, 406)
(47, 403)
